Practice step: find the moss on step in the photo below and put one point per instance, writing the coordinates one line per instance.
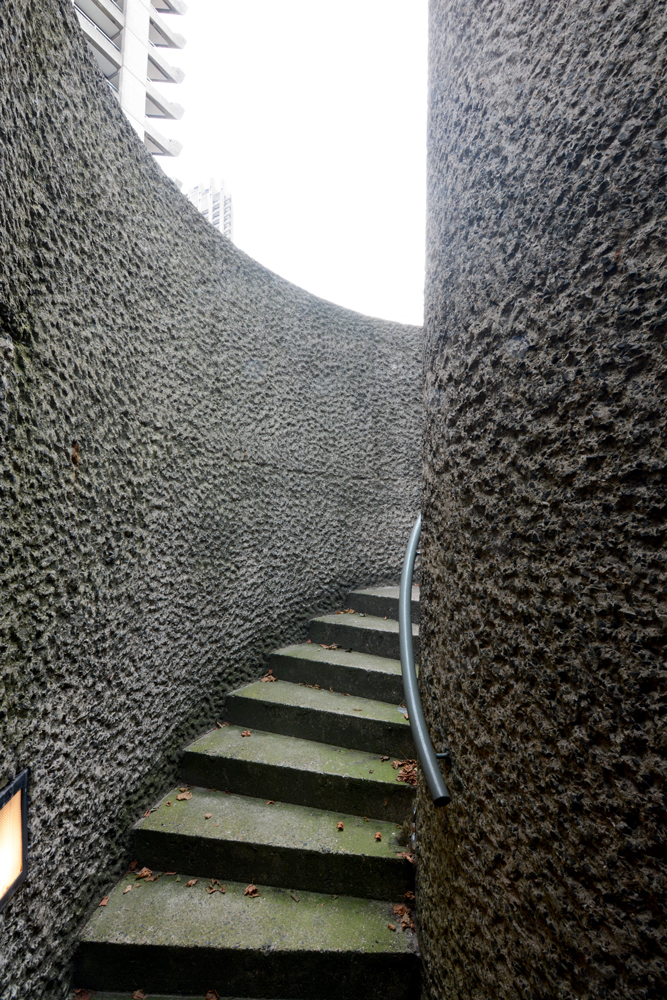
(376, 677)
(277, 843)
(169, 936)
(295, 770)
(328, 716)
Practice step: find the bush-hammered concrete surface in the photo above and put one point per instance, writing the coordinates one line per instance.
(543, 573)
(174, 501)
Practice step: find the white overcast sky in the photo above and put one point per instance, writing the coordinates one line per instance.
(314, 113)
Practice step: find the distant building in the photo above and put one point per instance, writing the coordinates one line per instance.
(128, 39)
(215, 204)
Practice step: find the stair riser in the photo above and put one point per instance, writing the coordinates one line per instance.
(344, 875)
(371, 735)
(252, 973)
(361, 640)
(391, 802)
(353, 680)
(380, 607)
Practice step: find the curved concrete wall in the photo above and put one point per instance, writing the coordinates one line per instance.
(544, 571)
(195, 454)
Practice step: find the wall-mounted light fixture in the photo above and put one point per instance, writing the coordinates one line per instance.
(13, 837)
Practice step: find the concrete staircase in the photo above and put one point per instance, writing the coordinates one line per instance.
(274, 869)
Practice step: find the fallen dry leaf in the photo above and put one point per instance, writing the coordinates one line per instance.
(340, 826)
(193, 881)
(378, 836)
(104, 901)
(294, 897)
(408, 856)
(384, 758)
(386, 802)
(133, 865)
(267, 678)
(139, 995)
(251, 891)
(168, 803)
(332, 646)
(409, 895)
(169, 873)
(153, 879)
(207, 815)
(221, 725)
(144, 873)
(246, 732)
(128, 888)
(309, 640)
(82, 994)
(184, 796)
(392, 927)
(212, 995)
(408, 772)
(406, 916)
(366, 819)
(147, 813)
(216, 887)
(270, 802)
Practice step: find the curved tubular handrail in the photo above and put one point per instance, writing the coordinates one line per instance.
(427, 758)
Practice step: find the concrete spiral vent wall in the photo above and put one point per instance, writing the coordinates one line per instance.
(544, 570)
(194, 453)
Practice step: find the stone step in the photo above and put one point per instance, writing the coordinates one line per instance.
(300, 771)
(167, 937)
(381, 602)
(325, 716)
(376, 677)
(363, 633)
(276, 844)
(106, 995)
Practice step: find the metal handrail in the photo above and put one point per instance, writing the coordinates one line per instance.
(425, 752)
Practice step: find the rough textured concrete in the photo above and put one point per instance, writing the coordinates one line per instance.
(326, 716)
(270, 945)
(172, 494)
(294, 770)
(275, 843)
(543, 578)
